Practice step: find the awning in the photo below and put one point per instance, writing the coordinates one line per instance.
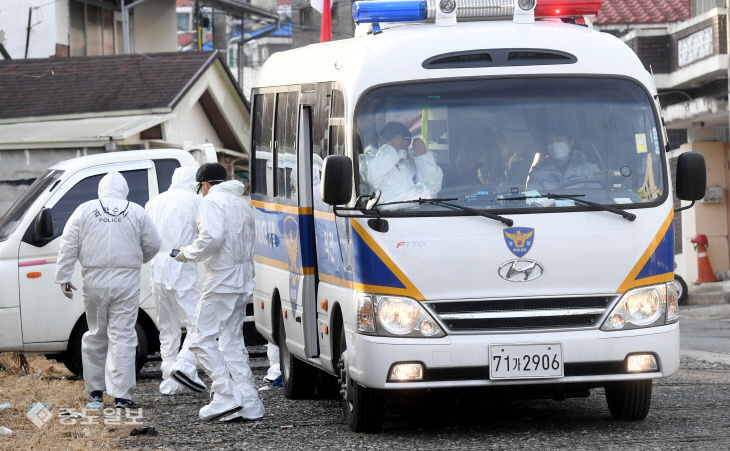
(90, 131)
(239, 8)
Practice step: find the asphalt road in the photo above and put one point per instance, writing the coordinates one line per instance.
(691, 409)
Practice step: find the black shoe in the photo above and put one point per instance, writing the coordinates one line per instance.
(185, 381)
(124, 403)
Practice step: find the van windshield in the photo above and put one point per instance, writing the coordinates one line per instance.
(10, 220)
(502, 143)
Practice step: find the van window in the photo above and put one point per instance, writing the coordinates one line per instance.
(321, 120)
(9, 221)
(88, 189)
(165, 169)
(263, 122)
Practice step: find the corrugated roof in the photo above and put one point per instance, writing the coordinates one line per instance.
(95, 84)
(642, 11)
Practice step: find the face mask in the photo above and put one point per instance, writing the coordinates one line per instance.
(559, 150)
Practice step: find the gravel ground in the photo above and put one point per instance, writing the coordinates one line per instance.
(689, 410)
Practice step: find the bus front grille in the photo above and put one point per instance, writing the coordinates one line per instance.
(519, 314)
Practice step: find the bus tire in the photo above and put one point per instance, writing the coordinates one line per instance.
(297, 377)
(629, 400)
(681, 287)
(362, 407)
(72, 359)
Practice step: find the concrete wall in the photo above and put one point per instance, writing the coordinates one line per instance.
(710, 219)
(14, 21)
(155, 27)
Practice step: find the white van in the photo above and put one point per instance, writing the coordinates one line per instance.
(501, 265)
(34, 315)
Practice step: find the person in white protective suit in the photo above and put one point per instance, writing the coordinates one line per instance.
(174, 284)
(110, 237)
(225, 245)
(401, 174)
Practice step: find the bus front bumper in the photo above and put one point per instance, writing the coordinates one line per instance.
(589, 356)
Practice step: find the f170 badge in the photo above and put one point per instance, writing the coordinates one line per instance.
(519, 239)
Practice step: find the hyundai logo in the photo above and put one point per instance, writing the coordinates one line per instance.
(520, 270)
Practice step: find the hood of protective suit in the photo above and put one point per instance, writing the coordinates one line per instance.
(184, 178)
(114, 186)
(231, 186)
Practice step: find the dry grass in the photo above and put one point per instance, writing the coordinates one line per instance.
(49, 382)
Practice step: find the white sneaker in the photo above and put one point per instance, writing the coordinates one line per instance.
(188, 381)
(171, 387)
(221, 406)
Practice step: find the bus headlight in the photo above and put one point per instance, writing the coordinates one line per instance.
(395, 316)
(640, 307)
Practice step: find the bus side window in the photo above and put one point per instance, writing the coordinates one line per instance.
(321, 120)
(165, 169)
(286, 158)
(263, 123)
(337, 140)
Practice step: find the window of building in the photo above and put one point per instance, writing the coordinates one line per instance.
(183, 22)
(93, 30)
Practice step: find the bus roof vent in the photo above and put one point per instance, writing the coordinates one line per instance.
(498, 58)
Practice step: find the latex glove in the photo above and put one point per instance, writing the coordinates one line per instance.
(67, 289)
(181, 257)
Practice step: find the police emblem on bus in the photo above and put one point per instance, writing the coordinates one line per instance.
(519, 239)
(520, 270)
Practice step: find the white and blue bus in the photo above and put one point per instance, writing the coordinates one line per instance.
(443, 202)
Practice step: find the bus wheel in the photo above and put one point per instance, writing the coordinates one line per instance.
(363, 407)
(297, 376)
(629, 400)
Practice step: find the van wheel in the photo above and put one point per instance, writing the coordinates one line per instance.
(72, 357)
(629, 400)
(363, 407)
(299, 378)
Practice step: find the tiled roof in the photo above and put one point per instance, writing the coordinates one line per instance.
(642, 11)
(95, 84)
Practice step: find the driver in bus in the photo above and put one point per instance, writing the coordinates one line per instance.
(400, 173)
(562, 166)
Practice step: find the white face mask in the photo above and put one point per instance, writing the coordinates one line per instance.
(559, 150)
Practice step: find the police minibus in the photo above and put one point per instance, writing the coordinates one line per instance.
(468, 194)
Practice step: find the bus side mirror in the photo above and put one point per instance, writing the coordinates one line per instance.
(337, 180)
(43, 229)
(691, 176)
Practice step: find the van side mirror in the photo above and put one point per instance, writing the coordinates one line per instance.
(43, 228)
(337, 180)
(691, 176)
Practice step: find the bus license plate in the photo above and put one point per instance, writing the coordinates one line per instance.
(525, 361)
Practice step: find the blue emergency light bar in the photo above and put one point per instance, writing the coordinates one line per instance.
(425, 10)
(389, 11)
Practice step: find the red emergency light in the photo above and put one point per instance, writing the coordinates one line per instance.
(566, 8)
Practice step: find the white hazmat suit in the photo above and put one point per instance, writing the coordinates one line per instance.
(175, 284)
(110, 237)
(225, 245)
(401, 176)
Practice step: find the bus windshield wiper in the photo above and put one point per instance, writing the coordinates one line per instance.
(577, 198)
(444, 202)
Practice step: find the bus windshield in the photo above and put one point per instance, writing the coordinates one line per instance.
(503, 143)
(10, 220)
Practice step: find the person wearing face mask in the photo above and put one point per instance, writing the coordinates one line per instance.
(400, 173)
(562, 166)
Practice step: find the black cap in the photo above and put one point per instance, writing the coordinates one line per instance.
(211, 172)
(393, 129)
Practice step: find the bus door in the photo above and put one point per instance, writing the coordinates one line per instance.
(306, 233)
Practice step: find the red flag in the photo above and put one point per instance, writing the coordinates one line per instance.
(325, 33)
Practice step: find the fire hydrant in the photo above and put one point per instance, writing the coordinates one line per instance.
(704, 269)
